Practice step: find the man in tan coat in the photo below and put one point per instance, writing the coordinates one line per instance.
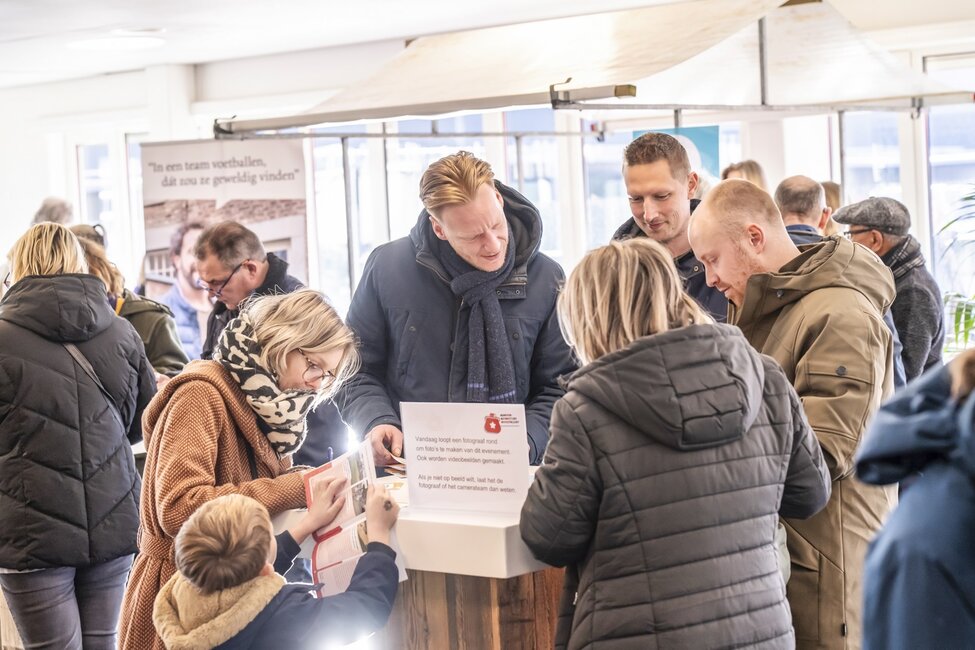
(817, 311)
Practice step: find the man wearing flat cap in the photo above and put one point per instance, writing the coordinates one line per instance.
(882, 224)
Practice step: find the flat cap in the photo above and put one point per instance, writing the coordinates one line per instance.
(878, 213)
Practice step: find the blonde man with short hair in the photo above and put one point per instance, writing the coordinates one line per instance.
(228, 593)
(461, 310)
(818, 313)
(673, 452)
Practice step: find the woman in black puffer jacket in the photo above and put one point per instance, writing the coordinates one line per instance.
(672, 454)
(69, 491)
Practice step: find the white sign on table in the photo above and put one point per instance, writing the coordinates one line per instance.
(472, 457)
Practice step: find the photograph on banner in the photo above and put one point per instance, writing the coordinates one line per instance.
(257, 183)
(702, 146)
(466, 456)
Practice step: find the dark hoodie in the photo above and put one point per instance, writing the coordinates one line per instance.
(69, 491)
(669, 464)
(409, 323)
(919, 582)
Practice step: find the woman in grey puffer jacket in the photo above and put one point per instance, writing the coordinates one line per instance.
(672, 455)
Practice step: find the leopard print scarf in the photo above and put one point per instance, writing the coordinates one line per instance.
(280, 413)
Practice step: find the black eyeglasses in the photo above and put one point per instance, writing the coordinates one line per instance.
(218, 291)
(850, 233)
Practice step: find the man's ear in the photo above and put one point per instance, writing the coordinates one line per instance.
(267, 569)
(824, 219)
(876, 241)
(437, 228)
(755, 237)
(692, 182)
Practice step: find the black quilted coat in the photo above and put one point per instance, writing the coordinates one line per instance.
(669, 464)
(69, 491)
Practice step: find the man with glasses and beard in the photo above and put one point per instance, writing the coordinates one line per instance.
(233, 265)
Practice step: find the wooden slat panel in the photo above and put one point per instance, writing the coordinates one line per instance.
(516, 606)
(420, 617)
(548, 592)
(473, 603)
(436, 610)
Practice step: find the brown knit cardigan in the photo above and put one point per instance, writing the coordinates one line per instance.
(197, 430)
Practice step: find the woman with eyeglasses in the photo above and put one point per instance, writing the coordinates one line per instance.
(230, 426)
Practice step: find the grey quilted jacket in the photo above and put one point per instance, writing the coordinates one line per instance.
(668, 466)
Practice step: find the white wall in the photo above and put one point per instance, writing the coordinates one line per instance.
(44, 124)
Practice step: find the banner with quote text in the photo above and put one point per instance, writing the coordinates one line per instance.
(258, 183)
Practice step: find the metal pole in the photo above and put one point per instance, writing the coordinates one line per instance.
(519, 154)
(678, 118)
(352, 237)
(842, 146)
(412, 136)
(763, 62)
(389, 226)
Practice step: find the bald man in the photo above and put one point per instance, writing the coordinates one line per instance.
(818, 313)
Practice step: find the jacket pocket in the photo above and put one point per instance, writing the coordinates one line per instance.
(803, 587)
(406, 331)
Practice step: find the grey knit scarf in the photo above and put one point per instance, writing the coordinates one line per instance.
(904, 257)
(490, 369)
(280, 413)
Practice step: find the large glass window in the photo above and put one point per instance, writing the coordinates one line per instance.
(606, 203)
(384, 174)
(408, 158)
(951, 161)
(96, 187)
(533, 167)
(333, 233)
(872, 156)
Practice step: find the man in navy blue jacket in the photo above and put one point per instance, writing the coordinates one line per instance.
(659, 184)
(461, 310)
(919, 580)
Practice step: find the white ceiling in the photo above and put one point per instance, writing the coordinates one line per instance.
(34, 34)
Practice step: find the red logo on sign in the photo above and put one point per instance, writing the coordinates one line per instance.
(492, 424)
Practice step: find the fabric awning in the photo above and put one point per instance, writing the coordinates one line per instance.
(516, 65)
(703, 53)
(815, 56)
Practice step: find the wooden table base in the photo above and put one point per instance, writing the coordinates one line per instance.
(439, 611)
